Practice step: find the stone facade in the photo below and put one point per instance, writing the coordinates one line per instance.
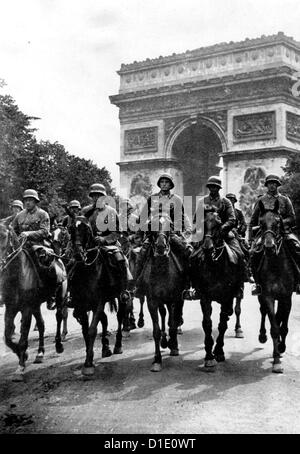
(229, 107)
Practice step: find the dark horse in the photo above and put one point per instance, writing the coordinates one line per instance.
(22, 292)
(275, 273)
(214, 275)
(90, 289)
(132, 255)
(164, 283)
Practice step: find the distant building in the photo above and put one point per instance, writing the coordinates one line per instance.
(227, 110)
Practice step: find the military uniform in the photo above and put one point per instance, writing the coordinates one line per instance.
(36, 223)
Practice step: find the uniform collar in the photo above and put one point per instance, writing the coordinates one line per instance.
(34, 210)
(169, 195)
(273, 195)
(214, 198)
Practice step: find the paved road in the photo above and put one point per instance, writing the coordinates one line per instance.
(124, 397)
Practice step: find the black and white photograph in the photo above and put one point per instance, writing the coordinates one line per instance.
(149, 219)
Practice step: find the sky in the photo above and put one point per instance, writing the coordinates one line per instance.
(59, 57)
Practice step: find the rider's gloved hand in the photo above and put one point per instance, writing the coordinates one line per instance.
(24, 236)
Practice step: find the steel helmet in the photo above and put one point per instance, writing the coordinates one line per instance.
(31, 193)
(97, 188)
(273, 177)
(17, 203)
(74, 204)
(230, 195)
(214, 181)
(168, 176)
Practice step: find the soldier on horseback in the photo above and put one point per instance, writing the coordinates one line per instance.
(158, 205)
(287, 213)
(16, 207)
(223, 206)
(74, 208)
(105, 224)
(32, 225)
(239, 231)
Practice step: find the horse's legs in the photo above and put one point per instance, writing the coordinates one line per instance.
(89, 367)
(284, 309)
(262, 332)
(275, 333)
(65, 319)
(179, 315)
(120, 317)
(23, 342)
(153, 310)
(106, 351)
(226, 312)
(207, 328)
(41, 329)
(141, 314)
(9, 331)
(60, 295)
(172, 322)
(163, 313)
(237, 310)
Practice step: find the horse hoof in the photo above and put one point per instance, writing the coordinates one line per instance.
(18, 375)
(210, 363)
(126, 334)
(219, 357)
(174, 352)
(164, 343)
(106, 353)
(118, 350)
(88, 371)
(239, 334)
(277, 369)
(63, 337)
(179, 330)
(156, 367)
(262, 338)
(39, 358)
(59, 348)
(132, 326)
(141, 323)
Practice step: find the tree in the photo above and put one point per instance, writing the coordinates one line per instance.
(47, 167)
(291, 184)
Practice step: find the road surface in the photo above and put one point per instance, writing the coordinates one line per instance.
(124, 397)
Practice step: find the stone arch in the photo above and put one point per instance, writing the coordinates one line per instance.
(186, 123)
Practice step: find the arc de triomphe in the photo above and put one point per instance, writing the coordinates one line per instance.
(225, 110)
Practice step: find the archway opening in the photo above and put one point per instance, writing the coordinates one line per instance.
(197, 149)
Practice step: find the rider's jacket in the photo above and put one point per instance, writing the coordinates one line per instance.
(286, 210)
(36, 222)
(240, 223)
(104, 222)
(171, 204)
(224, 208)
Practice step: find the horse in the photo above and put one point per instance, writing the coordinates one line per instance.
(215, 277)
(90, 289)
(132, 256)
(239, 297)
(274, 271)
(59, 240)
(22, 291)
(164, 283)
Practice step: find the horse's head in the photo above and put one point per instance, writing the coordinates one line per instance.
(4, 240)
(271, 223)
(212, 225)
(60, 238)
(161, 238)
(81, 235)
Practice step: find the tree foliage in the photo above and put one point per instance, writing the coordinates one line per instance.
(291, 184)
(57, 175)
